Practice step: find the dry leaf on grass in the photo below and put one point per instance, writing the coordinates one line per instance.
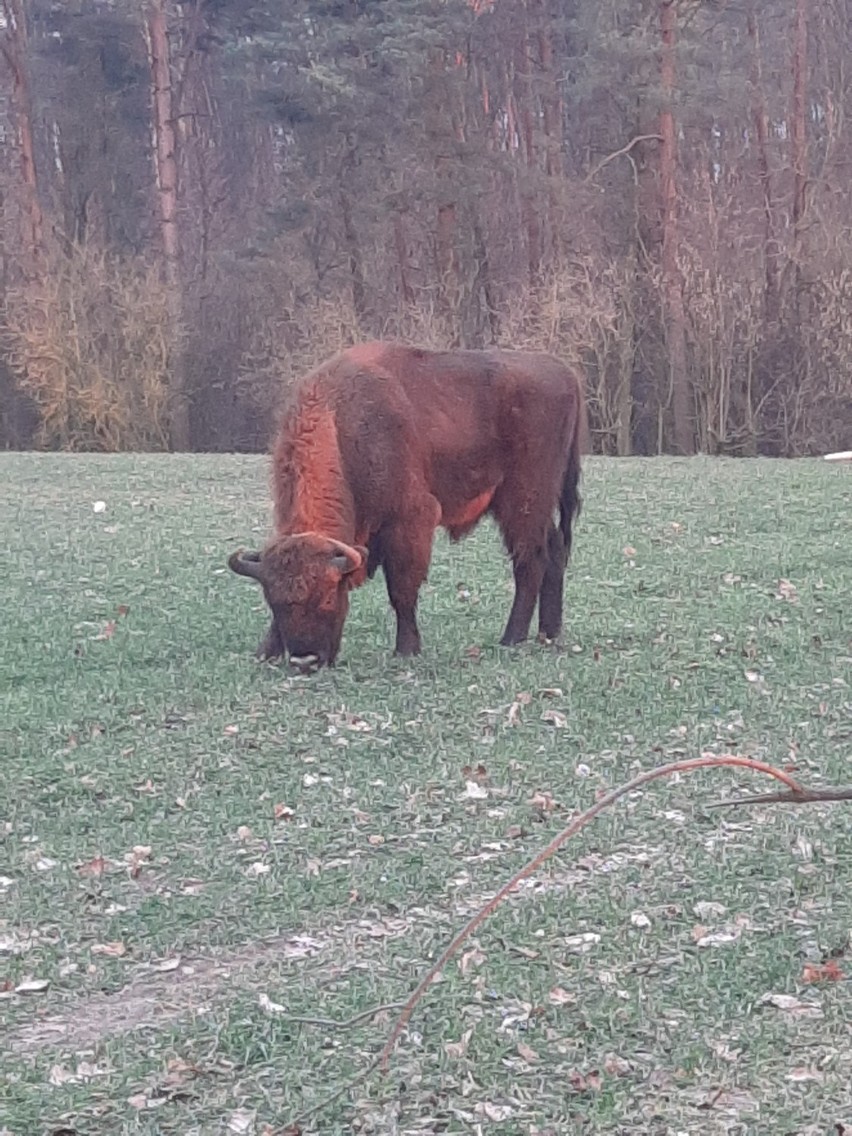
(269, 1007)
(495, 1112)
(95, 867)
(787, 591)
(164, 966)
(708, 909)
(544, 802)
(111, 950)
(823, 972)
(792, 1005)
(585, 1082)
(702, 937)
(458, 1048)
(32, 986)
(471, 960)
(804, 1073)
(582, 943)
(241, 1121)
(560, 997)
(555, 718)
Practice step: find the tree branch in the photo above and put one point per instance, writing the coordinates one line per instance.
(617, 154)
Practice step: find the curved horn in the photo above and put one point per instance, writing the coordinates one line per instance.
(346, 558)
(245, 563)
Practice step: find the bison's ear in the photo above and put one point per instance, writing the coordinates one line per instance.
(245, 564)
(347, 559)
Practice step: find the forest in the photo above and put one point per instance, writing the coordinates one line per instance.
(202, 200)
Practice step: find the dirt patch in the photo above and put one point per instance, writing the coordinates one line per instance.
(159, 996)
(163, 993)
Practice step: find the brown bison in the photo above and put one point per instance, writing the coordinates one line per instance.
(381, 444)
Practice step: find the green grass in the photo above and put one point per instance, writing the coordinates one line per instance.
(162, 733)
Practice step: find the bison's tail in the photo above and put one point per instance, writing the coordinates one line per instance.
(570, 500)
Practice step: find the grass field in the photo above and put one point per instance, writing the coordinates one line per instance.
(197, 850)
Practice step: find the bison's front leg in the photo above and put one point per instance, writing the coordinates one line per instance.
(407, 550)
(271, 646)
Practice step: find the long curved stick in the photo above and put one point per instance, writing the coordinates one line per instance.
(688, 765)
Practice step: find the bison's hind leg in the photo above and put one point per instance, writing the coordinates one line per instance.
(550, 596)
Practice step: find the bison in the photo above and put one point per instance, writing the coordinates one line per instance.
(380, 445)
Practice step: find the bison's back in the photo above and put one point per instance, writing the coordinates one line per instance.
(456, 424)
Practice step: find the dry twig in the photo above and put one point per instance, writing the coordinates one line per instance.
(794, 794)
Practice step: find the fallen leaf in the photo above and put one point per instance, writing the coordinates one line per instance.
(527, 1052)
(823, 972)
(787, 591)
(583, 943)
(164, 966)
(792, 1005)
(283, 812)
(629, 550)
(616, 1066)
(542, 801)
(727, 934)
(269, 1007)
(709, 909)
(560, 997)
(493, 1111)
(376, 839)
(471, 959)
(458, 1048)
(113, 950)
(32, 986)
(93, 867)
(241, 1121)
(804, 1073)
(585, 1082)
(555, 718)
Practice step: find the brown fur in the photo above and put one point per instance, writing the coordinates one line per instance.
(383, 443)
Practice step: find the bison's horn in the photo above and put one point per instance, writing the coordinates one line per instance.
(345, 558)
(245, 563)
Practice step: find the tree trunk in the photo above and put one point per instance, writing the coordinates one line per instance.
(761, 129)
(526, 108)
(675, 317)
(799, 126)
(350, 234)
(14, 49)
(165, 157)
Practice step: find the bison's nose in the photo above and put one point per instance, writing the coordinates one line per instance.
(305, 663)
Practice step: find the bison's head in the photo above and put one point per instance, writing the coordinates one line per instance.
(306, 579)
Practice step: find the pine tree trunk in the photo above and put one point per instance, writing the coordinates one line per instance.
(761, 129)
(682, 432)
(350, 235)
(14, 49)
(165, 155)
(526, 108)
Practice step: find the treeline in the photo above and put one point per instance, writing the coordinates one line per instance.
(202, 199)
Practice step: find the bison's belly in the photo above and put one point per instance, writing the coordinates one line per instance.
(459, 518)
